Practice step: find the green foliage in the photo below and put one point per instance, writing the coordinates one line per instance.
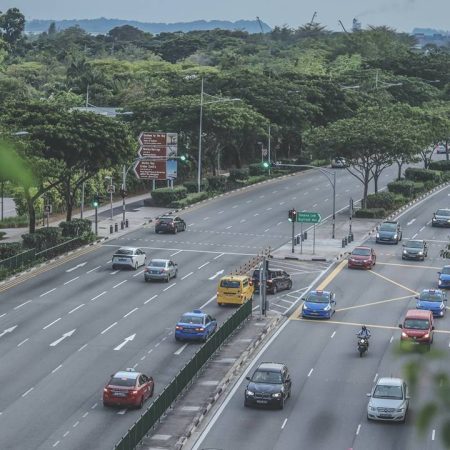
(407, 188)
(256, 169)
(416, 174)
(76, 227)
(255, 179)
(2, 235)
(217, 183)
(166, 196)
(14, 222)
(376, 213)
(43, 238)
(381, 200)
(191, 186)
(9, 249)
(190, 199)
(442, 164)
(239, 174)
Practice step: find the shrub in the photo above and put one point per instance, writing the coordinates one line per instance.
(190, 199)
(443, 165)
(256, 169)
(239, 174)
(416, 174)
(166, 196)
(319, 162)
(234, 184)
(43, 238)
(2, 234)
(217, 183)
(75, 227)
(191, 186)
(14, 222)
(9, 249)
(384, 200)
(372, 213)
(403, 187)
(255, 179)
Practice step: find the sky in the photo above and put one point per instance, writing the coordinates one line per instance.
(402, 15)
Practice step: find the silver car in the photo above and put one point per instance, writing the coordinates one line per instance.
(128, 257)
(160, 269)
(389, 400)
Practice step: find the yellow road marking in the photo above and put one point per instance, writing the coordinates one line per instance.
(323, 285)
(408, 265)
(393, 282)
(374, 303)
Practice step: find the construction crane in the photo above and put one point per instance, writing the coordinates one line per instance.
(342, 25)
(260, 24)
(313, 17)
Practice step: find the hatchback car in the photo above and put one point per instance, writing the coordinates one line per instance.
(415, 249)
(417, 328)
(433, 300)
(319, 305)
(277, 280)
(389, 400)
(270, 385)
(362, 258)
(128, 257)
(169, 224)
(234, 290)
(128, 388)
(441, 218)
(195, 326)
(389, 232)
(444, 278)
(160, 269)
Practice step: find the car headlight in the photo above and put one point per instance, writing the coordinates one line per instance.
(305, 307)
(250, 393)
(378, 235)
(327, 308)
(420, 253)
(367, 261)
(276, 395)
(372, 408)
(400, 410)
(426, 336)
(404, 334)
(405, 252)
(442, 306)
(395, 236)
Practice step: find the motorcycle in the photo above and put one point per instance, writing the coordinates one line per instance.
(363, 345)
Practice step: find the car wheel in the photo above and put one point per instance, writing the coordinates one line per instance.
(136, 265)
(167, 278)
(282, 403)
(141, 403)
(176, 273)
(175, 230)
(274, 289)
(246, 404)
(289, 286)
(113, 267)
(146, 280)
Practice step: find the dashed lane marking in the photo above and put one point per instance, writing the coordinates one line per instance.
(20, 306)
(188, 275)
(374, 303)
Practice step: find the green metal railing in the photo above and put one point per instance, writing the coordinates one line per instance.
(184, 377)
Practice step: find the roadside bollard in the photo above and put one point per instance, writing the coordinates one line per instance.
(349, 238)
(351, 235)
(111, 229)
(121, 225)
(116, 227)
(305, 235)
(297, 239)
(126, 223)
(342, 243)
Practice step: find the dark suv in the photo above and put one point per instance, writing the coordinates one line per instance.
(277, 280)
(169, 224)
(389, 232)
(270, 385)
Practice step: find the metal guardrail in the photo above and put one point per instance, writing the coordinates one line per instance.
(184, 377)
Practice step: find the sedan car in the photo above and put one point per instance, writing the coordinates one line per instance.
(339, 163)
(195, 326)
(270, 385)
(415, 249)
(169, 224)
(277, 280)
(319, 305)
(444, 278)
(389, 232)
(389, 400)
(440, 149)
(362, 258)
(160, 269)
(441, 218)
(433, 300)
(128, 257)
(128, 388)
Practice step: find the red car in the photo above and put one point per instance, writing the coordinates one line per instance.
(362, 258)
(128, 388)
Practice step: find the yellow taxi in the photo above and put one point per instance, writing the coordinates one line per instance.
(234, 290)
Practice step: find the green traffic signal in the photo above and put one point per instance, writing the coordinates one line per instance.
(183, 157)
(95, 204)
(265, 164)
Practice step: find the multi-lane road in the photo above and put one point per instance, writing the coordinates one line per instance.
(328, 406)
(64, 331)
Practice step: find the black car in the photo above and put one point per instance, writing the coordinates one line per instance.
(441, 218)
(277, 280)
(415, 249)
(389, 232)
(169, 224)
(270, 385)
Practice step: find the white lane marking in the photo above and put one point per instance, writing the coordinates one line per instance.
(178, 352)
(268, 209)
(76, 267)
(150, 351)
(82, 347)
(66, 434)
(25, 340)
(218, 256)
(261, 196)
(391, 339)
(423, 228)
(206, 218)
(220, 272)
(19, 306)
(433, 435)
(234, 206)
(27, 392)
(55, 444)
(95, 268)
(375, 377)
(414, 236)
(284, 423)
(326, 200)
(282, 203)
(76, 423)
(142, 359)
(131, 312)
(48, 292)
(122, 412)
(134, 367)
(74, 309)
(139, 273)
(85, 415)
(188, 275)
(4, 314)
(64, 336)
(113, 273)
(106, 329)
(310, 372)
(70, 281)
(243, 220)
(150, 299)
(57, 368)
(315, 204)
(279, 223)
(265, 231)
(176, 253)
(94, 406)
(203, 265)
(256, 214)
(358, 429)
(248, 201)
(125, 342)
(334, 333)
(208, 302)
(50, 324)
(168, 287)
(118, 284)
(227, 228)
(220, 212)
(410, 222)
(97, 296)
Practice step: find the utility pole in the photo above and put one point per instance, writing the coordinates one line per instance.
(124, 189)
(263, 285)
(294, 218)
(268, 151)
(199, 165)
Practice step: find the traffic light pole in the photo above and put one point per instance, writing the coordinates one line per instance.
(96, 220)
(124, 189)
(293, 235)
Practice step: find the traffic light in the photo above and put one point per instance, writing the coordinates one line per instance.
(95, 201)
(292, 215)
(265, 164)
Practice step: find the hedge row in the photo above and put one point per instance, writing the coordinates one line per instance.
(374, 213)
(190, 199)
(416, 174)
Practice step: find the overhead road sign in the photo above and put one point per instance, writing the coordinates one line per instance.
(308, 217)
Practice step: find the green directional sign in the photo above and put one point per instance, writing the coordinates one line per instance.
(308, 217)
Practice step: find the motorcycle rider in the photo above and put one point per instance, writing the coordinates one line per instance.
(364, 333)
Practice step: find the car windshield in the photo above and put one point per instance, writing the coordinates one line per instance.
(361, 251)
(165, 219)
(116, 381)
(430, 297)
(189, 318)
(263, 376)
(388, 227)
(416, 324)
(124, 251)
(391, 392)
(414, 244)
(154, 263)
(316, 297)
(230, 284)
(443, 212)
(446, 270)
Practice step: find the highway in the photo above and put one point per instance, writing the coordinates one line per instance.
(328, 406)
(64, 331)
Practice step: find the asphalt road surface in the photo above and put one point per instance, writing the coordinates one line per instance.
(61, 330)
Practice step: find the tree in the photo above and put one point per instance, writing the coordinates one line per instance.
(12, 24)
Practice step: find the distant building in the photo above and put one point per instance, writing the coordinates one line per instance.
(437, 39)
(103, 111)
(356, 25)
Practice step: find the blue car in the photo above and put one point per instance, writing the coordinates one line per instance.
(319, 305)
(434, 300)
(195, 326)
(444, 278)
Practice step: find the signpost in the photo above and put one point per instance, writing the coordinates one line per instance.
(151, 170)
(308, 217)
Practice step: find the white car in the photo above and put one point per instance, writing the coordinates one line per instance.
(440, 149)
(128, 257)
